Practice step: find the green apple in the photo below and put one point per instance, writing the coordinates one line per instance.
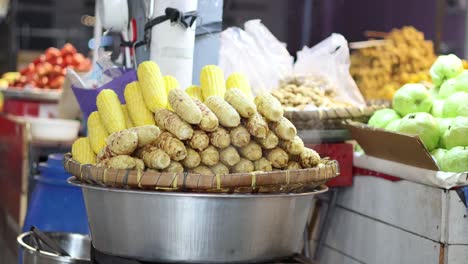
(447, 88)
(438, 155)
(455, 160)
(423, 125)
(393, 126)
(456, 105)
(437, 109)
(412, 98)
(444, 68)
(456, 134)
(381, 118)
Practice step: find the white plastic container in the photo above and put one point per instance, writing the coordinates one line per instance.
(53, 129)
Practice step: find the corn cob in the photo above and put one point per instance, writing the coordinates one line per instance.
(194, 92)
(209, 121)
(137, 110)
(146, 134)
(97, 133)
(122, 162)
(202, 170)
(153, 157)
(171, 83)
(293, 147)
(252, 151)
(185, 107)
(199, 140)
(284, 129)
(209, 156)
(152, 85)
(192, 159)
(167, 120)
(278, 157)
(220, 138)
(293, 165)
(268, 142)
(244, 165)
(269, 106)
(219, 169)
(243, 105)
(240, 81)
(128, 121)
(174, 167)
(108, 105)
(171, 145)
(256, 126)
(240, 137)
(309, 158)
(123, 142)
(262, 165)
(82, 152)
(212, 81)
(226, 114)
(229, 156)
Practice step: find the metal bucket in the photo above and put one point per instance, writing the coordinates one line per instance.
(77, 246)
(196, 228)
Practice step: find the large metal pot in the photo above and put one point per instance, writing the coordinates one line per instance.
(196, 228)
(76, 245)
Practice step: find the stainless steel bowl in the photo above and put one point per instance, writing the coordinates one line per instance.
(196, 228)
(76, 245)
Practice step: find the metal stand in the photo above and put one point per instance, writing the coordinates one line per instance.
(326, 224)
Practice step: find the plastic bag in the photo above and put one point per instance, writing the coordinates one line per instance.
(330, 58)
(256, 53)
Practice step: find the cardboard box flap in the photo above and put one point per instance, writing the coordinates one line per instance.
(406, 149)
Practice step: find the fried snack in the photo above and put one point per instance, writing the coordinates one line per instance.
(229, 156)
(209, 121)
(226, 114)
(309, 158)
(185, 107)
(202, 170)
(170, 121)
(123, 142)
(209, 156)
(171, 145)
(252, 151)
(243, 166)
(146, 134)
(293, 147)
(240, 137)
(243, 105)
(284, 129)
(174, 167)
(153, 157)
(262, 165)
(269, 106)
(220, 138)
(257, 126)
(293, 165)
(219, 169)
(268, 142)
(199, 140)
(278, 157)
(192, 159)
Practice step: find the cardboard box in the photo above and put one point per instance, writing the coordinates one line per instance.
(401, 155)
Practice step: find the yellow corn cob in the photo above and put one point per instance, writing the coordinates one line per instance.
(97, 133)
(152, 85)
(240, 81)
(82, 152)
(194, 91)
(212, 81)
(171, 83)
(128, 121)
(110, 110)
(137, 110)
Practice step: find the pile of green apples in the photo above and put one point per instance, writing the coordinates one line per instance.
(439, 115)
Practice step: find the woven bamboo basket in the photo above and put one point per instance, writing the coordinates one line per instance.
(293, 181)
(332, 118)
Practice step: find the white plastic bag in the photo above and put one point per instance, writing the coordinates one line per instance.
(330, 58)
(256, 53)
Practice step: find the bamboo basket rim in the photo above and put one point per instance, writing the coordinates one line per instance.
(292, 181)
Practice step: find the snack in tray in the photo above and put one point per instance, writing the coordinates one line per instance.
(406, 58)
(312, 91)
(236, 135)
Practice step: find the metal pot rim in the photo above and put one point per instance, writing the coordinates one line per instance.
(72, 180)
(46, 254)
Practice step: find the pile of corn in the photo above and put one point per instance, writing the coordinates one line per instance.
(380, 71)
(215, 128)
